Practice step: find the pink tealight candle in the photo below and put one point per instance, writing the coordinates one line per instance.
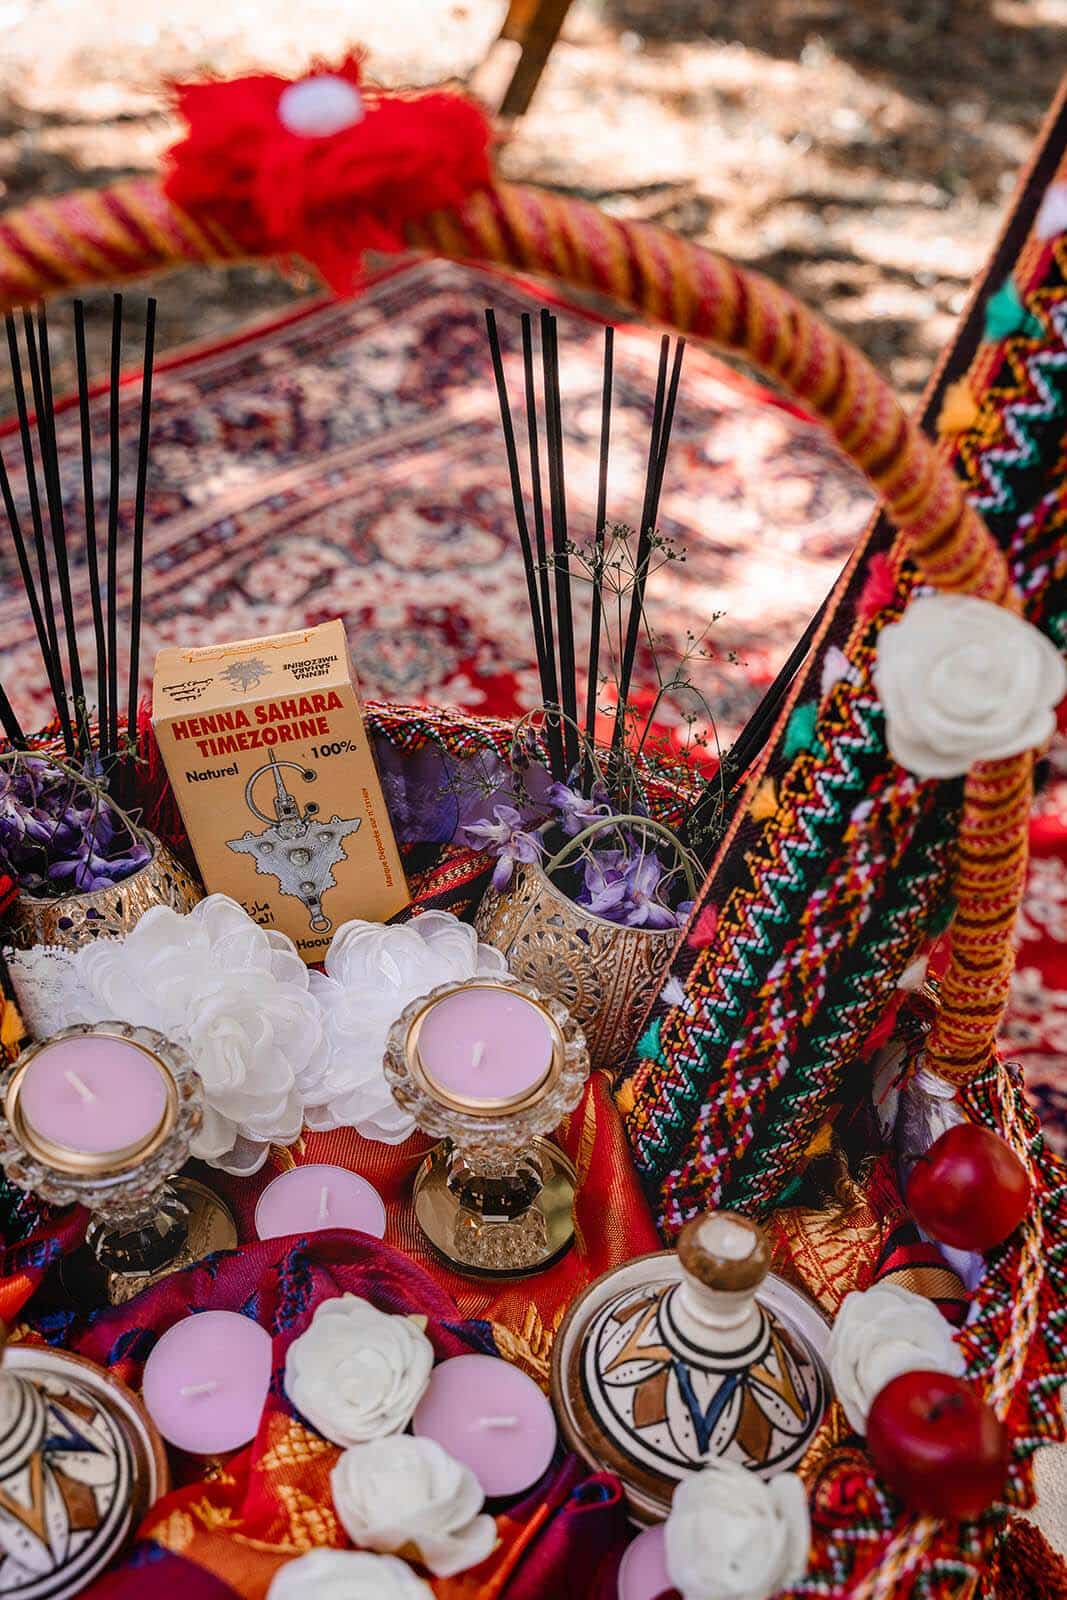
(643, 1571)
(318, 1196)
(206, 1381)
(492, 1417)
(94, 1095)
(486, 1043)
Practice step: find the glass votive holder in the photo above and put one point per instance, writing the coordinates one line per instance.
(490, 1067)
(102, 1115)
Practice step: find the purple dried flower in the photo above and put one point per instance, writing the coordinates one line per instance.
(59, 834)
(576, 810)
(625, 888)
(506, 839)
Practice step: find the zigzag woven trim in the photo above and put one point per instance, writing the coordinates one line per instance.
(854, 1002)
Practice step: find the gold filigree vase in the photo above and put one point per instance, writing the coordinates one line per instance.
(76, 919)
(605, 974)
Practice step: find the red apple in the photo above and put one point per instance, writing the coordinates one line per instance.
(938, 1445)
(970, 1189)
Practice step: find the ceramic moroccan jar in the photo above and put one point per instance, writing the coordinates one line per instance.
(680, 1358)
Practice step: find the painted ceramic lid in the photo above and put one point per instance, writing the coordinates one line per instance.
(80, 1463)
(679, 1358)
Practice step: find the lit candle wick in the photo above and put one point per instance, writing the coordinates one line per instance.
(81, 1086)
(324, 1206)
(495, 1422)
(192, 1389)
(478, 1053)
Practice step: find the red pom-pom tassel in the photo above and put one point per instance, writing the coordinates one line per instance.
(323, 167)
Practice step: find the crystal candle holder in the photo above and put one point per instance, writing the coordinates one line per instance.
(144, 1222)
(495, 1197)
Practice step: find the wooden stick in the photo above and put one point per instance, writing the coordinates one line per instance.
(560, 559)
(644, 552)
(46, 429)
(552, 729)
(92, 557)
(56, 679)
(113, 529)
(138, 518)
(599, 532)
(518, 498)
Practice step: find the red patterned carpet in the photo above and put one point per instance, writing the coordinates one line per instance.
(346, 461)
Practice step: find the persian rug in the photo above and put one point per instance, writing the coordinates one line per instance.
(345, 460)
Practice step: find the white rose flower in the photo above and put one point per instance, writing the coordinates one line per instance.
(879, 1333)
(405, 1493)
(372, 973)
(237, 997)
(358, 1373)
(962, 680)
(730, 1536)
(347, 1575)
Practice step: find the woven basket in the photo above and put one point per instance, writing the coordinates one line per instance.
(686, 1102)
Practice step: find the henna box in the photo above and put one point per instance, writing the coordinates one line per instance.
(267, 752)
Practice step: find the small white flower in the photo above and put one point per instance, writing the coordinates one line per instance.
(372, 973)
(962, 680)
(358, 1373)
(236, 996)
(878, 1334)
(406, 1493)
(347, 1575)
(731, 1536)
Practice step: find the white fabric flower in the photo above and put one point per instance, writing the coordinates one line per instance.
(878, 1334)
(963, 680)
(347, 1575)
(730, 1536)
(406, 1493)
(372, 973)
(235, 995)
(358, 1373)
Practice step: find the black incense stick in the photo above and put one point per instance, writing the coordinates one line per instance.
(560, 559)
(518, 498)
(552, 729)
(138, 518)
(28, 582)
(592, 687)
(113, 530)
(91, 552)
(57, 685)
(665, 431)
(46, 429)
(10, 723)
(644, 553)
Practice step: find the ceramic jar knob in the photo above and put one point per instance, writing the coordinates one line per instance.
(724, 1258)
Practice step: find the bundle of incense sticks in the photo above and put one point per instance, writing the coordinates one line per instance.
(50, 554)
(547, 555)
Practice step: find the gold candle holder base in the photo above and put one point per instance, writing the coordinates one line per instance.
(209, 1226)
(502, 1231)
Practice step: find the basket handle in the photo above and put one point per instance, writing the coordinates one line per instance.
(132, 228)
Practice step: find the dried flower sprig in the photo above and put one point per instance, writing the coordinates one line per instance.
(60, 831)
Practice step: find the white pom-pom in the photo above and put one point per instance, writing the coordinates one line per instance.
(317, 107)
(1052, 217)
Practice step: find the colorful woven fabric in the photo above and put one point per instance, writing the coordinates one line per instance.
(774, 1020)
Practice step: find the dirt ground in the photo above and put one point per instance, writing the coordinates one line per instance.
(859, 152)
